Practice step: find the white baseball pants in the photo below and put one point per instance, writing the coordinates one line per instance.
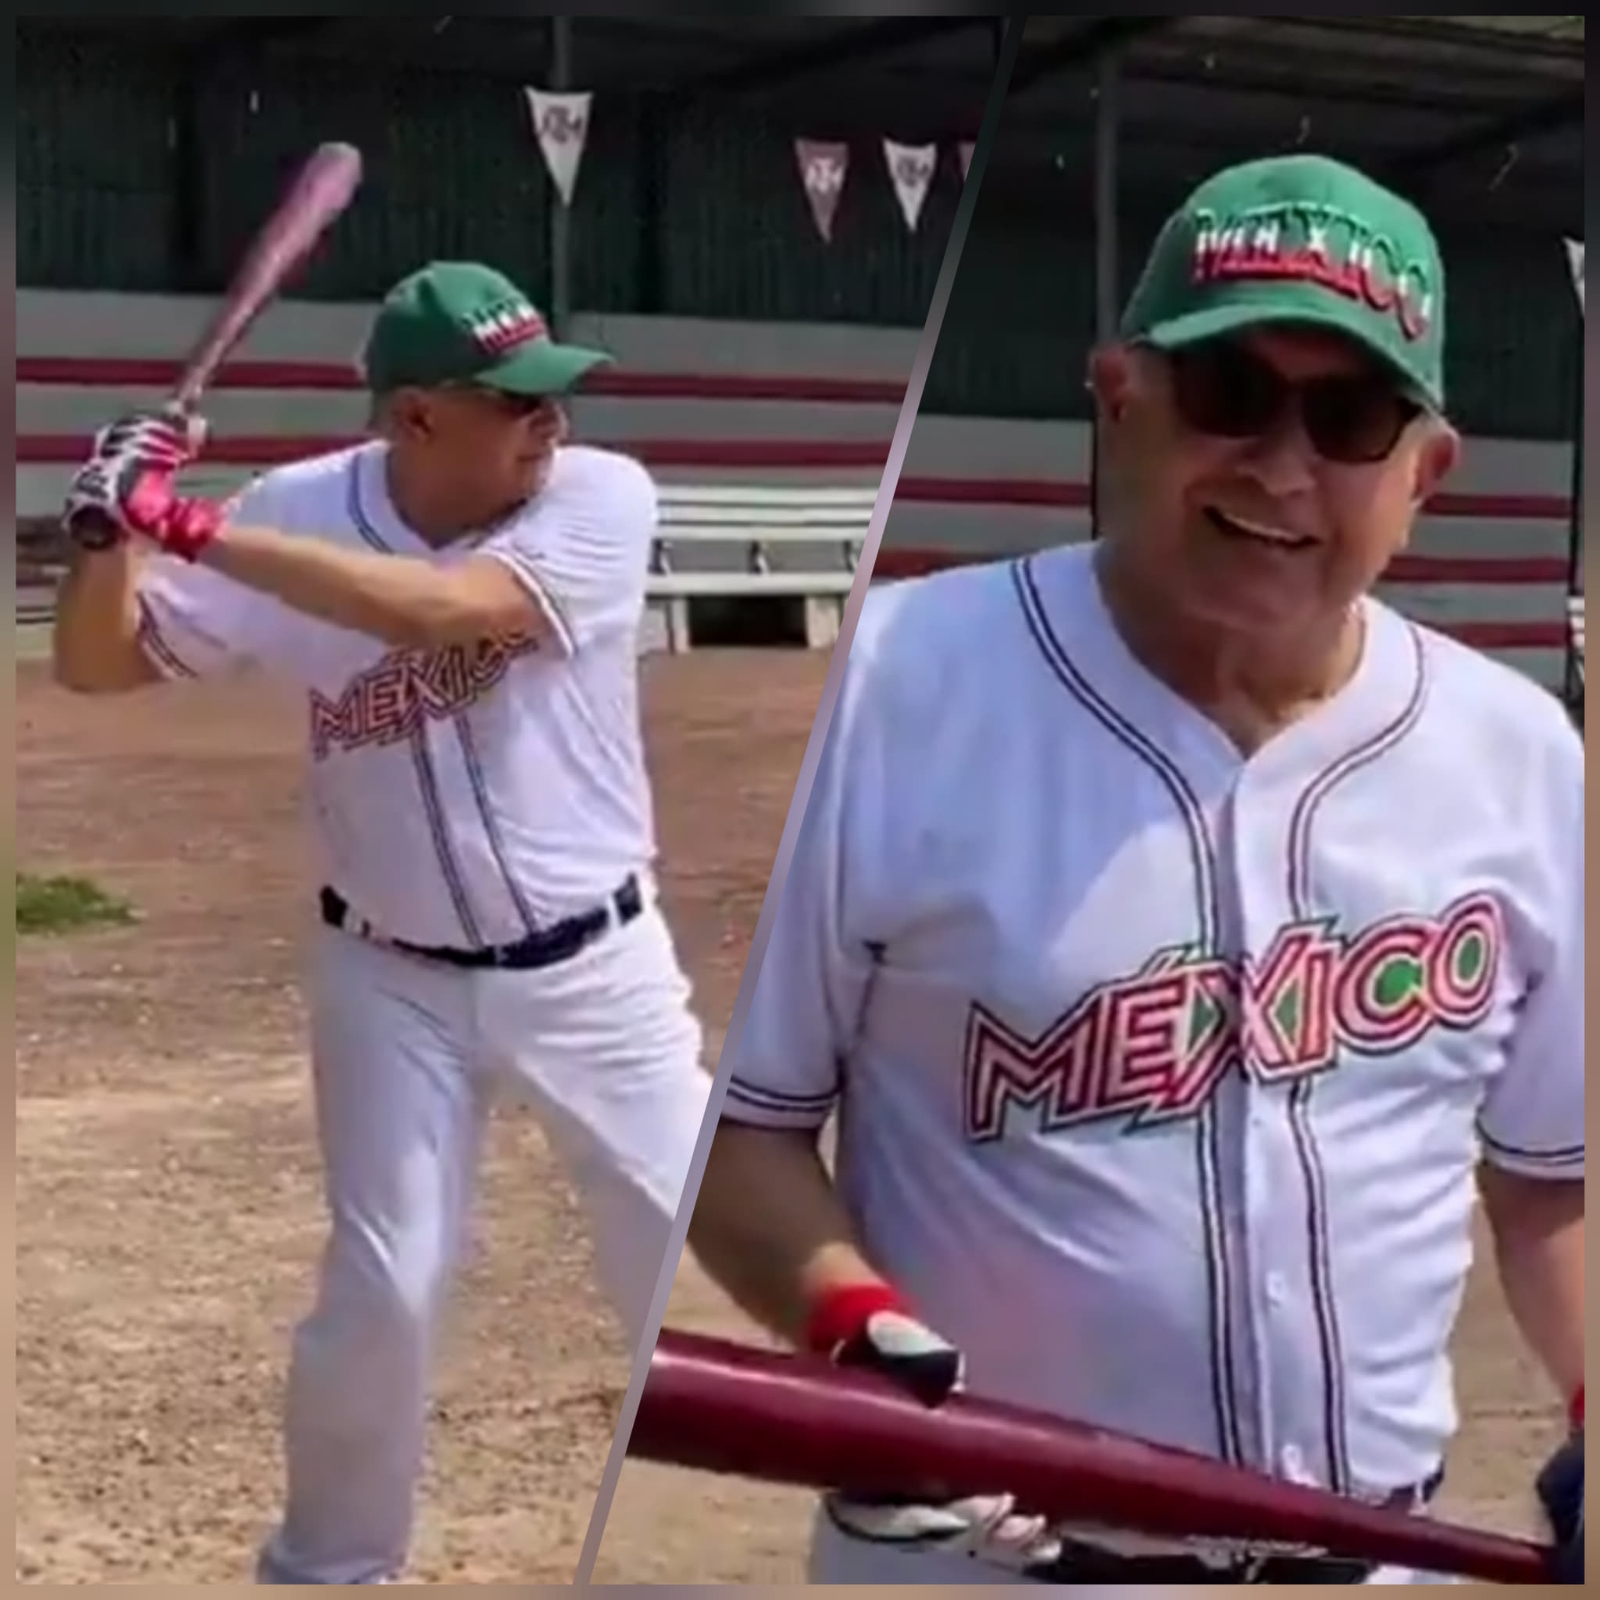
(407, 1056)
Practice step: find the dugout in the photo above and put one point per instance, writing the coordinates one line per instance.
(149, 148)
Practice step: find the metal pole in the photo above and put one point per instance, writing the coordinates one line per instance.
(1107, 289)
(1107, 135)
(1576, 664)
(560, 217)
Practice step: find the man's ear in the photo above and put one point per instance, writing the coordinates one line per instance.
(1113, 375)
(406, 415)
(1436, 460)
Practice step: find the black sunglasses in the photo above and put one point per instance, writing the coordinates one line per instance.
(515, 405)
(1225, 390)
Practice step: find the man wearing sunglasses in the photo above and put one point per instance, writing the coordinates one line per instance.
(1185, 941)
(458, 600)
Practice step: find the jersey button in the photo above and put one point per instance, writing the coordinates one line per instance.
(1277, 1288)
(1294, 1464)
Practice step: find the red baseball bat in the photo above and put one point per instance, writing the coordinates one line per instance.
(321, 191)
(726, 1408)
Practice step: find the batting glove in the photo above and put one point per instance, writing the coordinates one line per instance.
(1560, 1490)
(181, 527)
(109, 498)
(128, 486)
(868, 1328)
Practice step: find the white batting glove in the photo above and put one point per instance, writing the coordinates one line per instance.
(984, 1527)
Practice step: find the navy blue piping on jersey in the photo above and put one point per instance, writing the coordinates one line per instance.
(1324, 1297)
(491, 824)
(149, 634)
(421, 757)
(1203, 861)
(439, 827)
(1570, 1155)
(815, 1109)
(806, 1110)
(1555, 1161)
(358, 512)
(469, 754)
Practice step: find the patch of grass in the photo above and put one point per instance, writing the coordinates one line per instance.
(66, 904)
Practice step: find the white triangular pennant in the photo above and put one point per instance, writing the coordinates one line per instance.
(964, 149)
(1575, 261)
(911, 169)
(823, 166)
(561, 125)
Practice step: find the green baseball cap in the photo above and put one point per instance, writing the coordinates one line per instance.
(1299, 239)
(457, 322)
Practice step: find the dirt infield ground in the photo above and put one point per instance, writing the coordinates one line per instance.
(167, 1193)
(167, 1201)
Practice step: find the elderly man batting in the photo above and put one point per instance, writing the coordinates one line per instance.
(1185, 941)
(458, 600)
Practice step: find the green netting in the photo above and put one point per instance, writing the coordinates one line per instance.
(94, 165)
(695, 212)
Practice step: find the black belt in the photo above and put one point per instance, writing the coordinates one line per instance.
(1094, 1564)
(546, 947)
(1087, 1565)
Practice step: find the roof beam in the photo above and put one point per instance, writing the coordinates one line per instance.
(1460, 37)
(1078, 49)
(1529, 122)
(774, 68)
(248, 34)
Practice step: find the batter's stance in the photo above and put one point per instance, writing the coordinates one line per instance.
(1184, 939)
(460, 600)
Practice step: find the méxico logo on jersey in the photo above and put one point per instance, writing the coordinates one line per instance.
(405, 689)
(1152, 1047)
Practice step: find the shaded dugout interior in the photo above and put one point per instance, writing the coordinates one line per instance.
(150, 148)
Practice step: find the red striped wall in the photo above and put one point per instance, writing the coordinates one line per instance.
(780, 404)
(1488, 561)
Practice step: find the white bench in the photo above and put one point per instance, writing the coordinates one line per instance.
(752, 541)
(736, 542)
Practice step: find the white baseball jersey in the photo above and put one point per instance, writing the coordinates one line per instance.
(467, 795)
(1162, 1074)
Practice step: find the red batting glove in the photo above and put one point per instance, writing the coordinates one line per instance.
(868, 1325)
(841, 1314)
(181, 527)
(164, 441)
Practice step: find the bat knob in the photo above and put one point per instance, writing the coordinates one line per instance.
(195, 430)
(89, 530)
